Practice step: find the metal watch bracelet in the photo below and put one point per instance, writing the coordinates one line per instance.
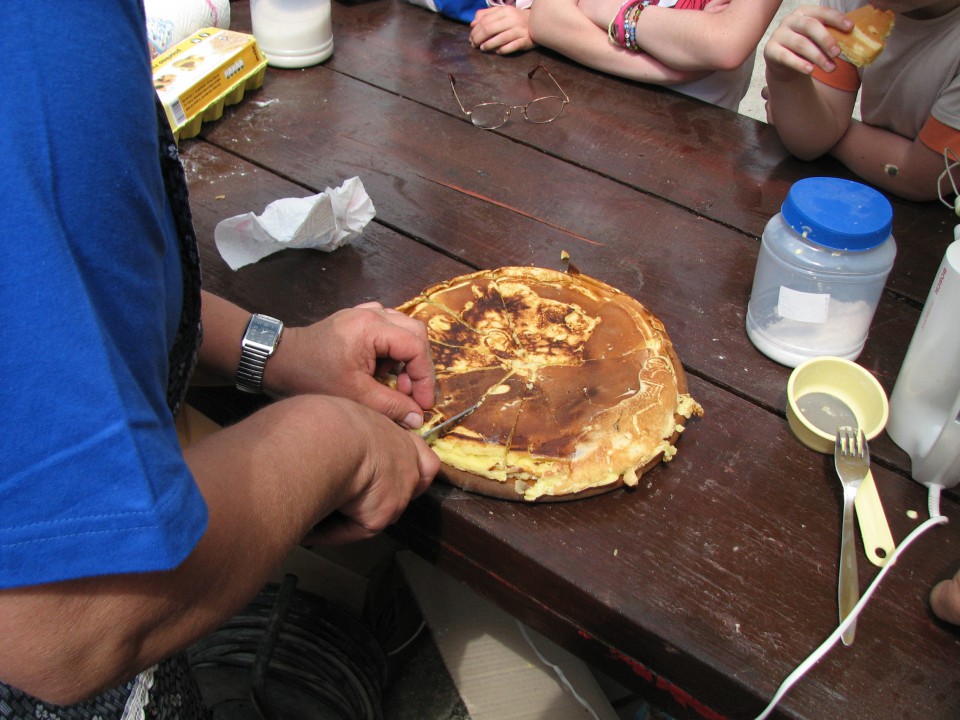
(259, 342)
(249, 376)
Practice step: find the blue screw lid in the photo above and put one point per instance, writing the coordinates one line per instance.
(838, 214)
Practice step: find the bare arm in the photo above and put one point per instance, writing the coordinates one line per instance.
(561, 26)
(336, 356)
(814, 119)
(266, 481)
(809, 116)
(688, 40)
(308, 467)
(906, 168)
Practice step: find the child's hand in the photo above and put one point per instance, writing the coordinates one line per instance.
(802, 42)
(503, 29)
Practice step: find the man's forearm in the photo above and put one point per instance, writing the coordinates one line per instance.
(223, 326)
(67, 641)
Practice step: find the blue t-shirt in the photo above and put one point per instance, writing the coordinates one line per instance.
(92, 480)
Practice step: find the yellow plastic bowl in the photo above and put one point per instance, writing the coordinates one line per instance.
(848, 382)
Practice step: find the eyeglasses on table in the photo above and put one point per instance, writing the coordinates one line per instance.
(492, 115)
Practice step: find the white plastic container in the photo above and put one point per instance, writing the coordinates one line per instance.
(822, 266)
(925, 404)
(293, 33)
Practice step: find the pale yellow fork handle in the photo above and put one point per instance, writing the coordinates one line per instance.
(877, 541)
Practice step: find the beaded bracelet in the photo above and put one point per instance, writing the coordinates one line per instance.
(622, 30)
(630, 27)
(615, 30)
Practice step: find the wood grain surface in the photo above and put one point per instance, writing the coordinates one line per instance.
(709, 582)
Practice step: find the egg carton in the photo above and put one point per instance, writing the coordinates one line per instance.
(200, 76)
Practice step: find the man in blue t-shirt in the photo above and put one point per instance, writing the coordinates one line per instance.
(117, 548)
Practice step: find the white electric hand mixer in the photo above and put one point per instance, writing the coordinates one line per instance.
(925, 404)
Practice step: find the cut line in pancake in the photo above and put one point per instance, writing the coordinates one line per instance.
(584, 391)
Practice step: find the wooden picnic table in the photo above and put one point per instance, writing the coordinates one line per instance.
(707, 584)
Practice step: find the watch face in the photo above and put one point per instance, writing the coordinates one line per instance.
(263, 331)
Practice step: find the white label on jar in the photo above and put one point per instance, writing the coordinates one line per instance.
(803, 307)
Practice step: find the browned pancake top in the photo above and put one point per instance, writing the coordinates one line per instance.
(580, 383)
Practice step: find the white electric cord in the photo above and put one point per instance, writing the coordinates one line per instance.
(933, 507)
(559, 671)
(951, 162)
(406, 643)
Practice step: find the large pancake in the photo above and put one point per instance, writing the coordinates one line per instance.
(582, 388)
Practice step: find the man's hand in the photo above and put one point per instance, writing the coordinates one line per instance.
(396, 466)
(341, 355)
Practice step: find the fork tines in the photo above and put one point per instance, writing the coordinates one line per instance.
(850, 440)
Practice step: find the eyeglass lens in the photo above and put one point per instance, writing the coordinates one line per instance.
(493, 115)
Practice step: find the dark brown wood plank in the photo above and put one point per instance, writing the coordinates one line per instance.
(743, 577)
(488, 201)
(299, 286)
(716, 577)
(716, 162)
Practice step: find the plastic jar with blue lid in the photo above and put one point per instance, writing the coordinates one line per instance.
(823, 263)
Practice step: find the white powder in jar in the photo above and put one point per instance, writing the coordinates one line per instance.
(843, 333)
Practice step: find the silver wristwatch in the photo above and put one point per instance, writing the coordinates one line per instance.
(259, 342)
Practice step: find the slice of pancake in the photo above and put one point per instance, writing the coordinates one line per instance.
(479, 444)
(590, 393)
(458, 391)
(476, 302)
(864, 43)
(456, 346)
(610, 429)
(617, 318)
(548, 331)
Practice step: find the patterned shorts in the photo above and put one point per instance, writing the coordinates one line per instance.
(167, 691)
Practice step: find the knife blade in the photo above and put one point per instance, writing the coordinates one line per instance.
(431, 435)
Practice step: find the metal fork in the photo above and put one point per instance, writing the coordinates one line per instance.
(852, 460)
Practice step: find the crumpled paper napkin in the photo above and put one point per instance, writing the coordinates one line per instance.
(322, 222)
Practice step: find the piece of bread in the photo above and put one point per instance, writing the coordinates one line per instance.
(871, 27)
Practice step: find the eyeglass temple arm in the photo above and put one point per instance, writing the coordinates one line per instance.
(542, 67)
(453, 86)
